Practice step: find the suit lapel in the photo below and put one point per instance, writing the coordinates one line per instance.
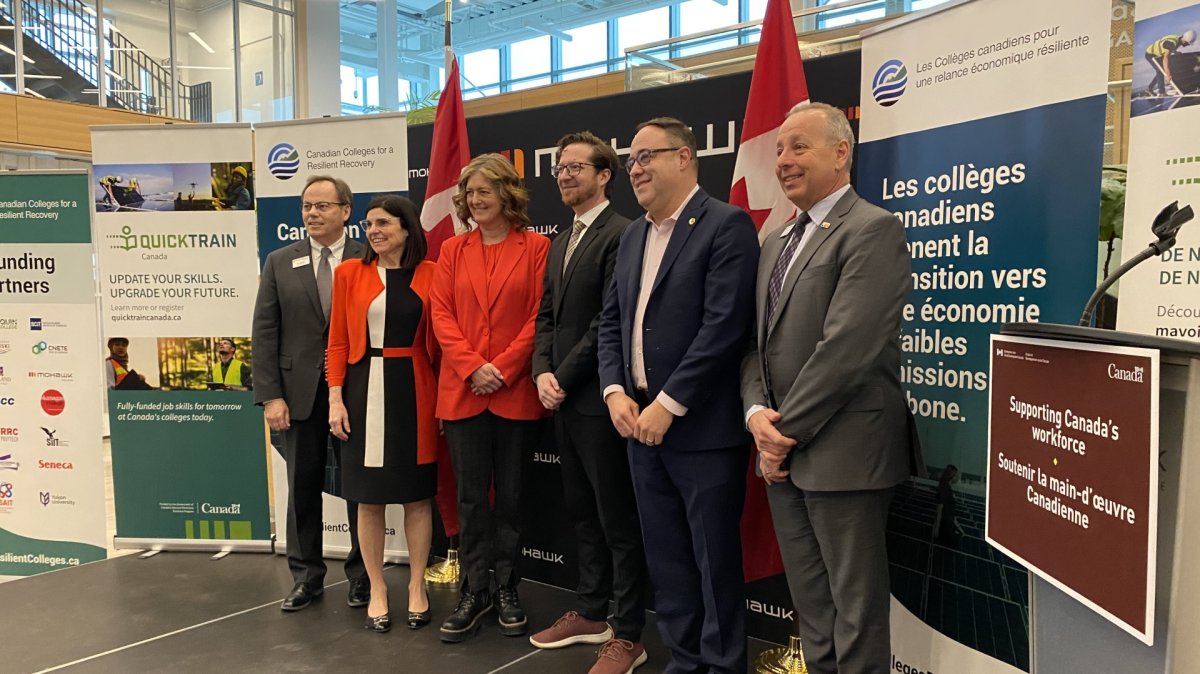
(306, 275)
(476, 267)
(637, 249)
(679, 235)
(512, 249)
(590, 235)
(554, 263)
(837, 215)
(771, 250)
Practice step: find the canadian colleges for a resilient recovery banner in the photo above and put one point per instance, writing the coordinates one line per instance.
(177, 255)
(51, 458)
(371, 154)
(982, 129)
(1161, 297)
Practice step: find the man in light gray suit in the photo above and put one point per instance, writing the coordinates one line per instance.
(822, 394)
(291, 327)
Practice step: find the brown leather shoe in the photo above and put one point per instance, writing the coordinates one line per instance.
(618, 656)
(572, 628)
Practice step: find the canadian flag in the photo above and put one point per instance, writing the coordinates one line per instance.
(450, 154)
(776, 85)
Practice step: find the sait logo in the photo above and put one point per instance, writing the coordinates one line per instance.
(52, 441)
(889, 82)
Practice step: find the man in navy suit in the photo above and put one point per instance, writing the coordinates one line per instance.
(672, 332)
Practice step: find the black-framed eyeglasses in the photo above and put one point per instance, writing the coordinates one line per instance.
(320, 206)
(571, 169)
(643, 158)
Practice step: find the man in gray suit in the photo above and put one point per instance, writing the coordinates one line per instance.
(291, 327)
(821, 389)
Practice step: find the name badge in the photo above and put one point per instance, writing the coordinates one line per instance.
(301, 261)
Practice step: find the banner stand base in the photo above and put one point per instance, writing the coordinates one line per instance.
(342, 551)
(192, 545)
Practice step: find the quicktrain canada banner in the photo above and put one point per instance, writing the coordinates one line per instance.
(51, 457)
(982, 130)
(177, 257)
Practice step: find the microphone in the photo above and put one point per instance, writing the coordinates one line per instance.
(1165, 228)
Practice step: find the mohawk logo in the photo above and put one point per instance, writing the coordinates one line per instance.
(552, 557)
(546, 457)
(517, 157)
(770, 610)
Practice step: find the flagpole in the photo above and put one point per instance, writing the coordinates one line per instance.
(448, 50)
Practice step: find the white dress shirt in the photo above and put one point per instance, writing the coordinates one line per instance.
(335, 253)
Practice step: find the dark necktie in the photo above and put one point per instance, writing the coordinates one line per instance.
(325, 281)
(775, 286)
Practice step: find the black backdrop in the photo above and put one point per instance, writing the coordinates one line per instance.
(714, 108)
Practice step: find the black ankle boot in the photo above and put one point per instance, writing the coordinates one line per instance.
(512, 617)
(465, 619)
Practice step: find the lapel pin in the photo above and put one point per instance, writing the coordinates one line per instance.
(824, 225)
(691, 222)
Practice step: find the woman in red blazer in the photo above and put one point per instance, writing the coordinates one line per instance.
(382, 394)
(485, 298)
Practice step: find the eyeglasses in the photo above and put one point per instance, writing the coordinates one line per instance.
(381, 222)
(643, 158)
(320, 206)
(571, 169)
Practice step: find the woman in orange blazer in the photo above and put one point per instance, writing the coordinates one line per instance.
(485, 300)
(382, 394)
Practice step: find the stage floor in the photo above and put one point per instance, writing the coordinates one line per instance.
(185, 612)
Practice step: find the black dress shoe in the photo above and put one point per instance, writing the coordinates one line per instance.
(512, 617)
(301, 596)
(379, 624)
(465, 619)
(359, 594)
(419, 619)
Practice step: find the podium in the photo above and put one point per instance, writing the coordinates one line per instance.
(1066, 636)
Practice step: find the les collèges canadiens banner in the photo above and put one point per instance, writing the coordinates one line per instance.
(982, 129)
(51, 457)
(371, 154)
(177, 257)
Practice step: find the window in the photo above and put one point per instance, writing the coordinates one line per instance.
(697, 16)
(481, 73)
(527, 59)
(588, 45)
(643, 28)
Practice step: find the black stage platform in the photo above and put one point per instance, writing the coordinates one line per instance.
(184, 612)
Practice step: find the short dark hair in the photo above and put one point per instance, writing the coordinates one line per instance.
(228, 339)
(406, 211)
(678, 131)
(345, 195)
(603, 154)
(118, 340)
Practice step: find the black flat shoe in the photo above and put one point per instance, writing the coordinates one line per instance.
(418, 620)
(379, 624)
(301, 596)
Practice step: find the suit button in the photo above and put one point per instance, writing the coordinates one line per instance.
(485, 333)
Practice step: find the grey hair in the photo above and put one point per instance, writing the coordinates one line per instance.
(837, 127)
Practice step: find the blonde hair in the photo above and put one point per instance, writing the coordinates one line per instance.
(498, 171)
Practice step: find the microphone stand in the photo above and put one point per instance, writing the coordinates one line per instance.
(1166, 226)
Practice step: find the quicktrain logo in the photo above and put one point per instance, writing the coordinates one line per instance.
(283, 161)
(889, 83)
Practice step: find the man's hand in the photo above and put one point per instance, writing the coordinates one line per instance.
(339, 420)
(624, 413)
(486, 380)
(769, 440)
(277, 414)
(549, 392)
(772, 470)
(652, 424)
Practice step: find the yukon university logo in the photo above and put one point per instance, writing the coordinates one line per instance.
(283, 161)
(889, 82)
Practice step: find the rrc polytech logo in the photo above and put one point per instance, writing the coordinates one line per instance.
(889, 83)
(283, 161)
(53, 402)
(10, 434)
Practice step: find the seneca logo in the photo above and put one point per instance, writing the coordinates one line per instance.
(283, 161)
(889, 83)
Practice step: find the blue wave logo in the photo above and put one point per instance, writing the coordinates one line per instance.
(283, 161)
(889, 83)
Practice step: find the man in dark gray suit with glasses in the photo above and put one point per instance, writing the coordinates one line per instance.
(821, 387)
(291, 327)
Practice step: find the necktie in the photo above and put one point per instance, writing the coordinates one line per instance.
(325, 281)
(781, 265)
(576, 235)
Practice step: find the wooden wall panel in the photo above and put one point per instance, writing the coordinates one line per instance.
(8, 119)
(28, 123)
